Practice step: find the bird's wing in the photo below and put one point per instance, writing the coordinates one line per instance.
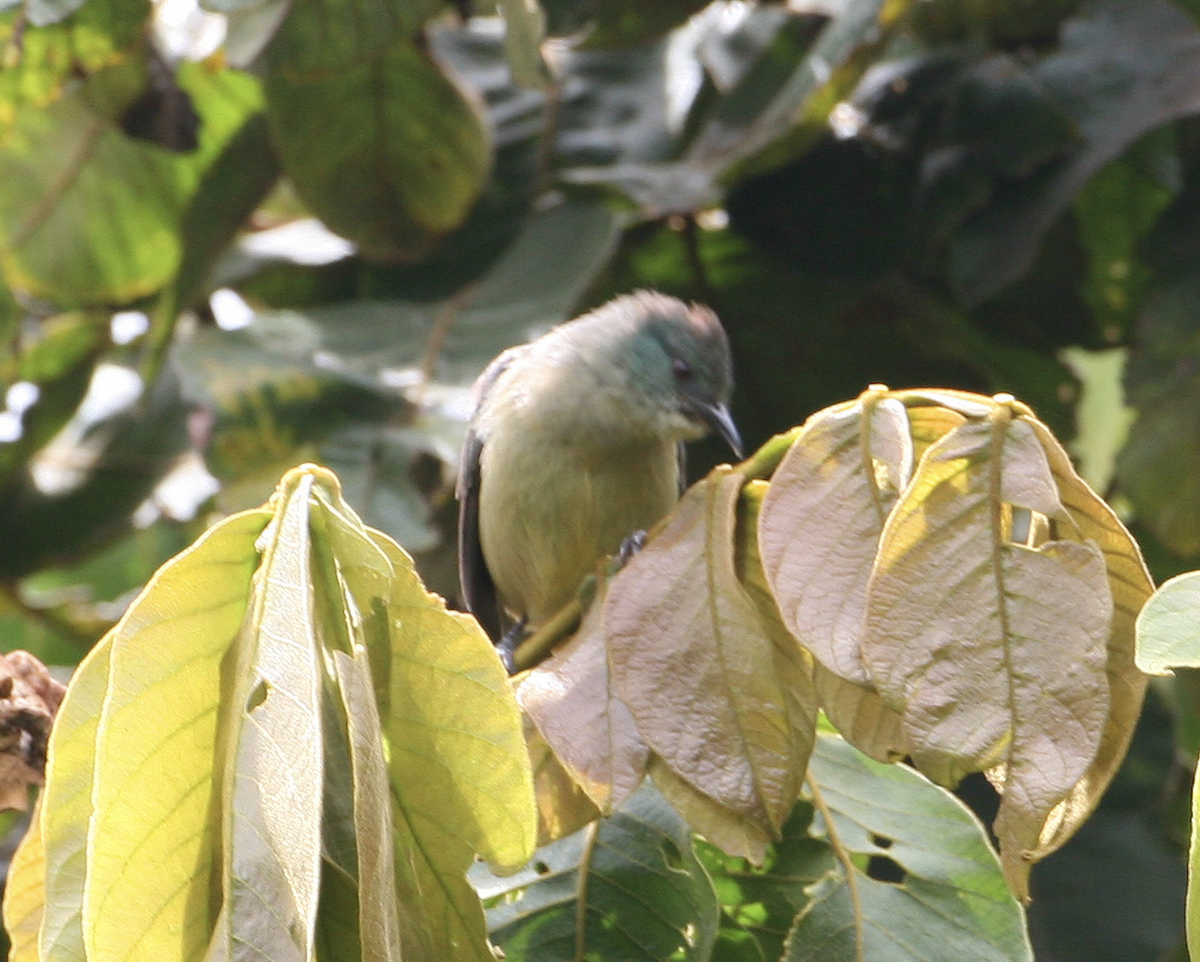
(478, 588)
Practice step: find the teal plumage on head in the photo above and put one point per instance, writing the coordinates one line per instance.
(574, 446)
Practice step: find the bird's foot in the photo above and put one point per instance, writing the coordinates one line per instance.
(507, 645)
(630, 546)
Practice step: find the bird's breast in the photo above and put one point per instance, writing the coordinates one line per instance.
(554, 500)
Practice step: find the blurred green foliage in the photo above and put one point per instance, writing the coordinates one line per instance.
(962, 193)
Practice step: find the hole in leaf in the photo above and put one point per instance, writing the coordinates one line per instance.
(541, 868)
(671, 855)
(883, 868)
(881, 841)
(1022, 523)
(258, 695)
(1029, 528)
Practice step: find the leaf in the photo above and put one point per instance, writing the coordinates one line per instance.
(66, 807)
(821, 521)
(993, 649)
(571, 699)
(1168, 628)
(732, 832)
(524, 29)
(686, 640)
(272, 746)
(388, 151)
(946, 898)
(25, 895)
(1131, 586)
(1120, 71)
(460, 772)
(760, 903)
(631, 881)
(563, 807)
(819, 533)
(378, 921)
(140, 776)
(90, 215)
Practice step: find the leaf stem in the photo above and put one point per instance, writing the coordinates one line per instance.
(581, 891)
(843, 856)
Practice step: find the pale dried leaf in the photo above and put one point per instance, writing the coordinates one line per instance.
(692, 659)
(731, 833)
(820, 525)
(571, 699)
(994, 652)
(1131, 586)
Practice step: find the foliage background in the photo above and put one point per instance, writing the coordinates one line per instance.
(989, 195)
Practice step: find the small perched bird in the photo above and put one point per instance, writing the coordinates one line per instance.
(576, 445)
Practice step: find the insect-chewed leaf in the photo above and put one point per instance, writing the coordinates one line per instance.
(698, 668)
(1131, 585)
(460, 772)
(25, 895)
(993, 650)
(928, 889)
(570, 698)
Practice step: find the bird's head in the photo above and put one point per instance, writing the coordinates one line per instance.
(677, 364)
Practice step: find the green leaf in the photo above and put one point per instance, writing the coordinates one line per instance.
(91, 215)
(632, 880)
(388, 151)
(760, 903)
(524, 29)
(1121, 71)
(945, 898)
(1168, 628)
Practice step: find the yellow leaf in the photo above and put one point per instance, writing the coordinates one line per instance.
(151, 839)
(460, 771)
(66, 806)
(25, 895)
(379, 925)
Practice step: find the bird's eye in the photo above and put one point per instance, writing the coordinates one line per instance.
(681, 369)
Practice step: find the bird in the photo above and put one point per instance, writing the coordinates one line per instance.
(575, 447)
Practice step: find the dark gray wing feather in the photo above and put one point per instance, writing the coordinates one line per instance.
(478, 588)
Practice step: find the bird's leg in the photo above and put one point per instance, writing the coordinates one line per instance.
(630, 546)
(508, 644)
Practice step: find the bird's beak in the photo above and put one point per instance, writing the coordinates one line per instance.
(717, 417)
